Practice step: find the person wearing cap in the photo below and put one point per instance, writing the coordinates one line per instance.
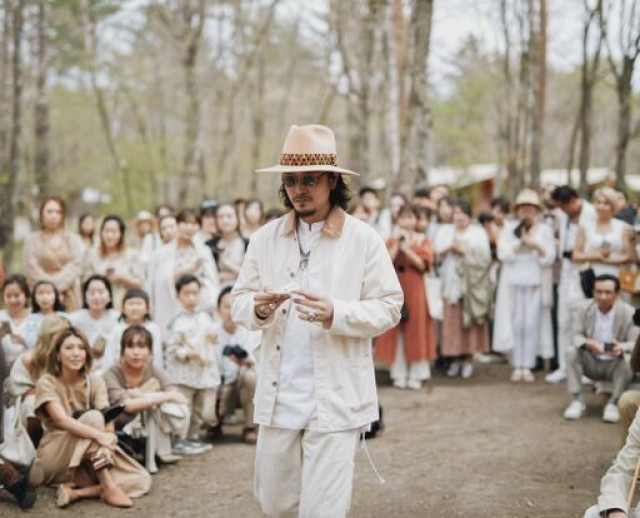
(319, 284)
(528, 253)
(144, 224)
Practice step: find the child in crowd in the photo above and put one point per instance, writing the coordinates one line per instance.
(45, 301)
(135, 310)
(191, 362)
(237, 366)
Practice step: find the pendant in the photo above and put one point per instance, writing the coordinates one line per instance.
(304, 262)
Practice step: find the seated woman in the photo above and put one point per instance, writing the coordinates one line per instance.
(26, 371)
(78, 447)
(145, 392)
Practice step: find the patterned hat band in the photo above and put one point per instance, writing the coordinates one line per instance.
(303, 159)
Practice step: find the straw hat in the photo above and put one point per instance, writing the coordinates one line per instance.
(528, 197)
(308, 148)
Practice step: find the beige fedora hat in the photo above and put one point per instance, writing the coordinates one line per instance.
(308, 148)
(528, 197)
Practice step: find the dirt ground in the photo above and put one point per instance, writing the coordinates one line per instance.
(477, 448)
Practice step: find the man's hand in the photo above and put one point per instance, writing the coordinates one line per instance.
(266, 303)
(313, 308)
(594, 347)
(616, 351)
(193, 356)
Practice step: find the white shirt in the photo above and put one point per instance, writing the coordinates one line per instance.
(296, 396)
(603, 329)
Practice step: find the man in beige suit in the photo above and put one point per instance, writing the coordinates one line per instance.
(603, 333)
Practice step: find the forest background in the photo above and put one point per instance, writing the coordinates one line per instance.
(149, 101)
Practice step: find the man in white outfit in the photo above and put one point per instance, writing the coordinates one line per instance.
(577, 212)
(319, 284)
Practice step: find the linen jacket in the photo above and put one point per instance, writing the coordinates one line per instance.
(624, 330)
(615, 485)
(349, 263)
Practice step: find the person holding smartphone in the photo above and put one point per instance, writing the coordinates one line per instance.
(603, 333)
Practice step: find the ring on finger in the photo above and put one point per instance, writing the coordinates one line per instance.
(312, 316)
(272, 306)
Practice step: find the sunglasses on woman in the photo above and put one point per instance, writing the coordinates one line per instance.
(308, 180)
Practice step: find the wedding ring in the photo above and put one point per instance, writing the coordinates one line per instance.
(312, 317)
(272, 306)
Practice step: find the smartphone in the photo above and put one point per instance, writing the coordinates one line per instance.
(5, 328)
(609, 346)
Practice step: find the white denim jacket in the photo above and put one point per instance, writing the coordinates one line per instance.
(350, 264)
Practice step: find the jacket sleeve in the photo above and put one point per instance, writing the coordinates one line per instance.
(614, 486)
(31, 263)
(546, 241)
(380, 301)
(507, 244)
(248, 282)
(71, 271)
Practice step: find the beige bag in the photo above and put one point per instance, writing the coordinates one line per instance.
(17, 447)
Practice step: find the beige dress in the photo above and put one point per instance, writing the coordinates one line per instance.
(62, 457)
(60, 265)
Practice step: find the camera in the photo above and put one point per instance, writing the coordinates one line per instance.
(609, 346)
(235, 350)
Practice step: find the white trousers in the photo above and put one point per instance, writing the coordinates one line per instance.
(526, 320)
(569, 298)
(402, 370)
(304, 473)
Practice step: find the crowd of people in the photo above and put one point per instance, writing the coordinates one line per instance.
(119, 350)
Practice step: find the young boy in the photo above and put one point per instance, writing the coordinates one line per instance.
(233, 351)
(191, 361)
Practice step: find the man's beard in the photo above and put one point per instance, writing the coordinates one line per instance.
(305, 213)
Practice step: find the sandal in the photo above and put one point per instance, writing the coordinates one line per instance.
(249, 435)
(64, 496)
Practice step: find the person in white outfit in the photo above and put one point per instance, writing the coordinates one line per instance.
(320, 284)
(576, 213)
(529, 251)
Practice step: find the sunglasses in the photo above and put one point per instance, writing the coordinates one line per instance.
(308, 180)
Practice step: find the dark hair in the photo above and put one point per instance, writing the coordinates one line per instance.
(185, 280)
(208, 207)
(23, 284)
(422, 192)
(254, 201)
(188, 214)
(339, 195)
(273, 213)
(103, 280)
(121, 226)
(81, 219)
(61, 204)
(485, 217)
(608, 277)
(57, 303)
(464, 206)
(53, 365)
(239, 201)
(130, 332)
(409, 209)
(501, 203)
(163, 206)
(224, 291)
(366, 189)
(564, 194)
(136, 294)
(449, 200)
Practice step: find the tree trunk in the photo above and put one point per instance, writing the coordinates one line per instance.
(624, 91)
(538, 45)
(395, 94)
(9, 180)
(41, 112)
(257, 123)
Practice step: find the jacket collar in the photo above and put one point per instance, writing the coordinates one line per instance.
(333, 225)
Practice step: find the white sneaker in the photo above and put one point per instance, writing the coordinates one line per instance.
(575, 410)
(400, 383)
(414, 384)
(454, 370)
(467, 370)
(557, 376)
(527, 376)
(586, 381)
(611, 414)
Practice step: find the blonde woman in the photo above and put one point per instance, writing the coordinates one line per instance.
(606, 243)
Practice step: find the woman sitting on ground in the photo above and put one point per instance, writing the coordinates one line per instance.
(140, 387)
(77, 444)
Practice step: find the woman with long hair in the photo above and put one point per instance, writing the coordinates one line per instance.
(113, 259)
(229, 246)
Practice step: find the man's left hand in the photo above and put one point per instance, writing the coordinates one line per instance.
(313, 308)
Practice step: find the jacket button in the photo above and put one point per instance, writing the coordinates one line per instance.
(292, 274)
(277, 347)
(275, 383)
(284, 311)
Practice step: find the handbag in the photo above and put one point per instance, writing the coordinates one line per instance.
(630, 279)
(17, 447)
(587, 282)
(433, 290)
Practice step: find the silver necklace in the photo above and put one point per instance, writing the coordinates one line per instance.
(304, 256)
